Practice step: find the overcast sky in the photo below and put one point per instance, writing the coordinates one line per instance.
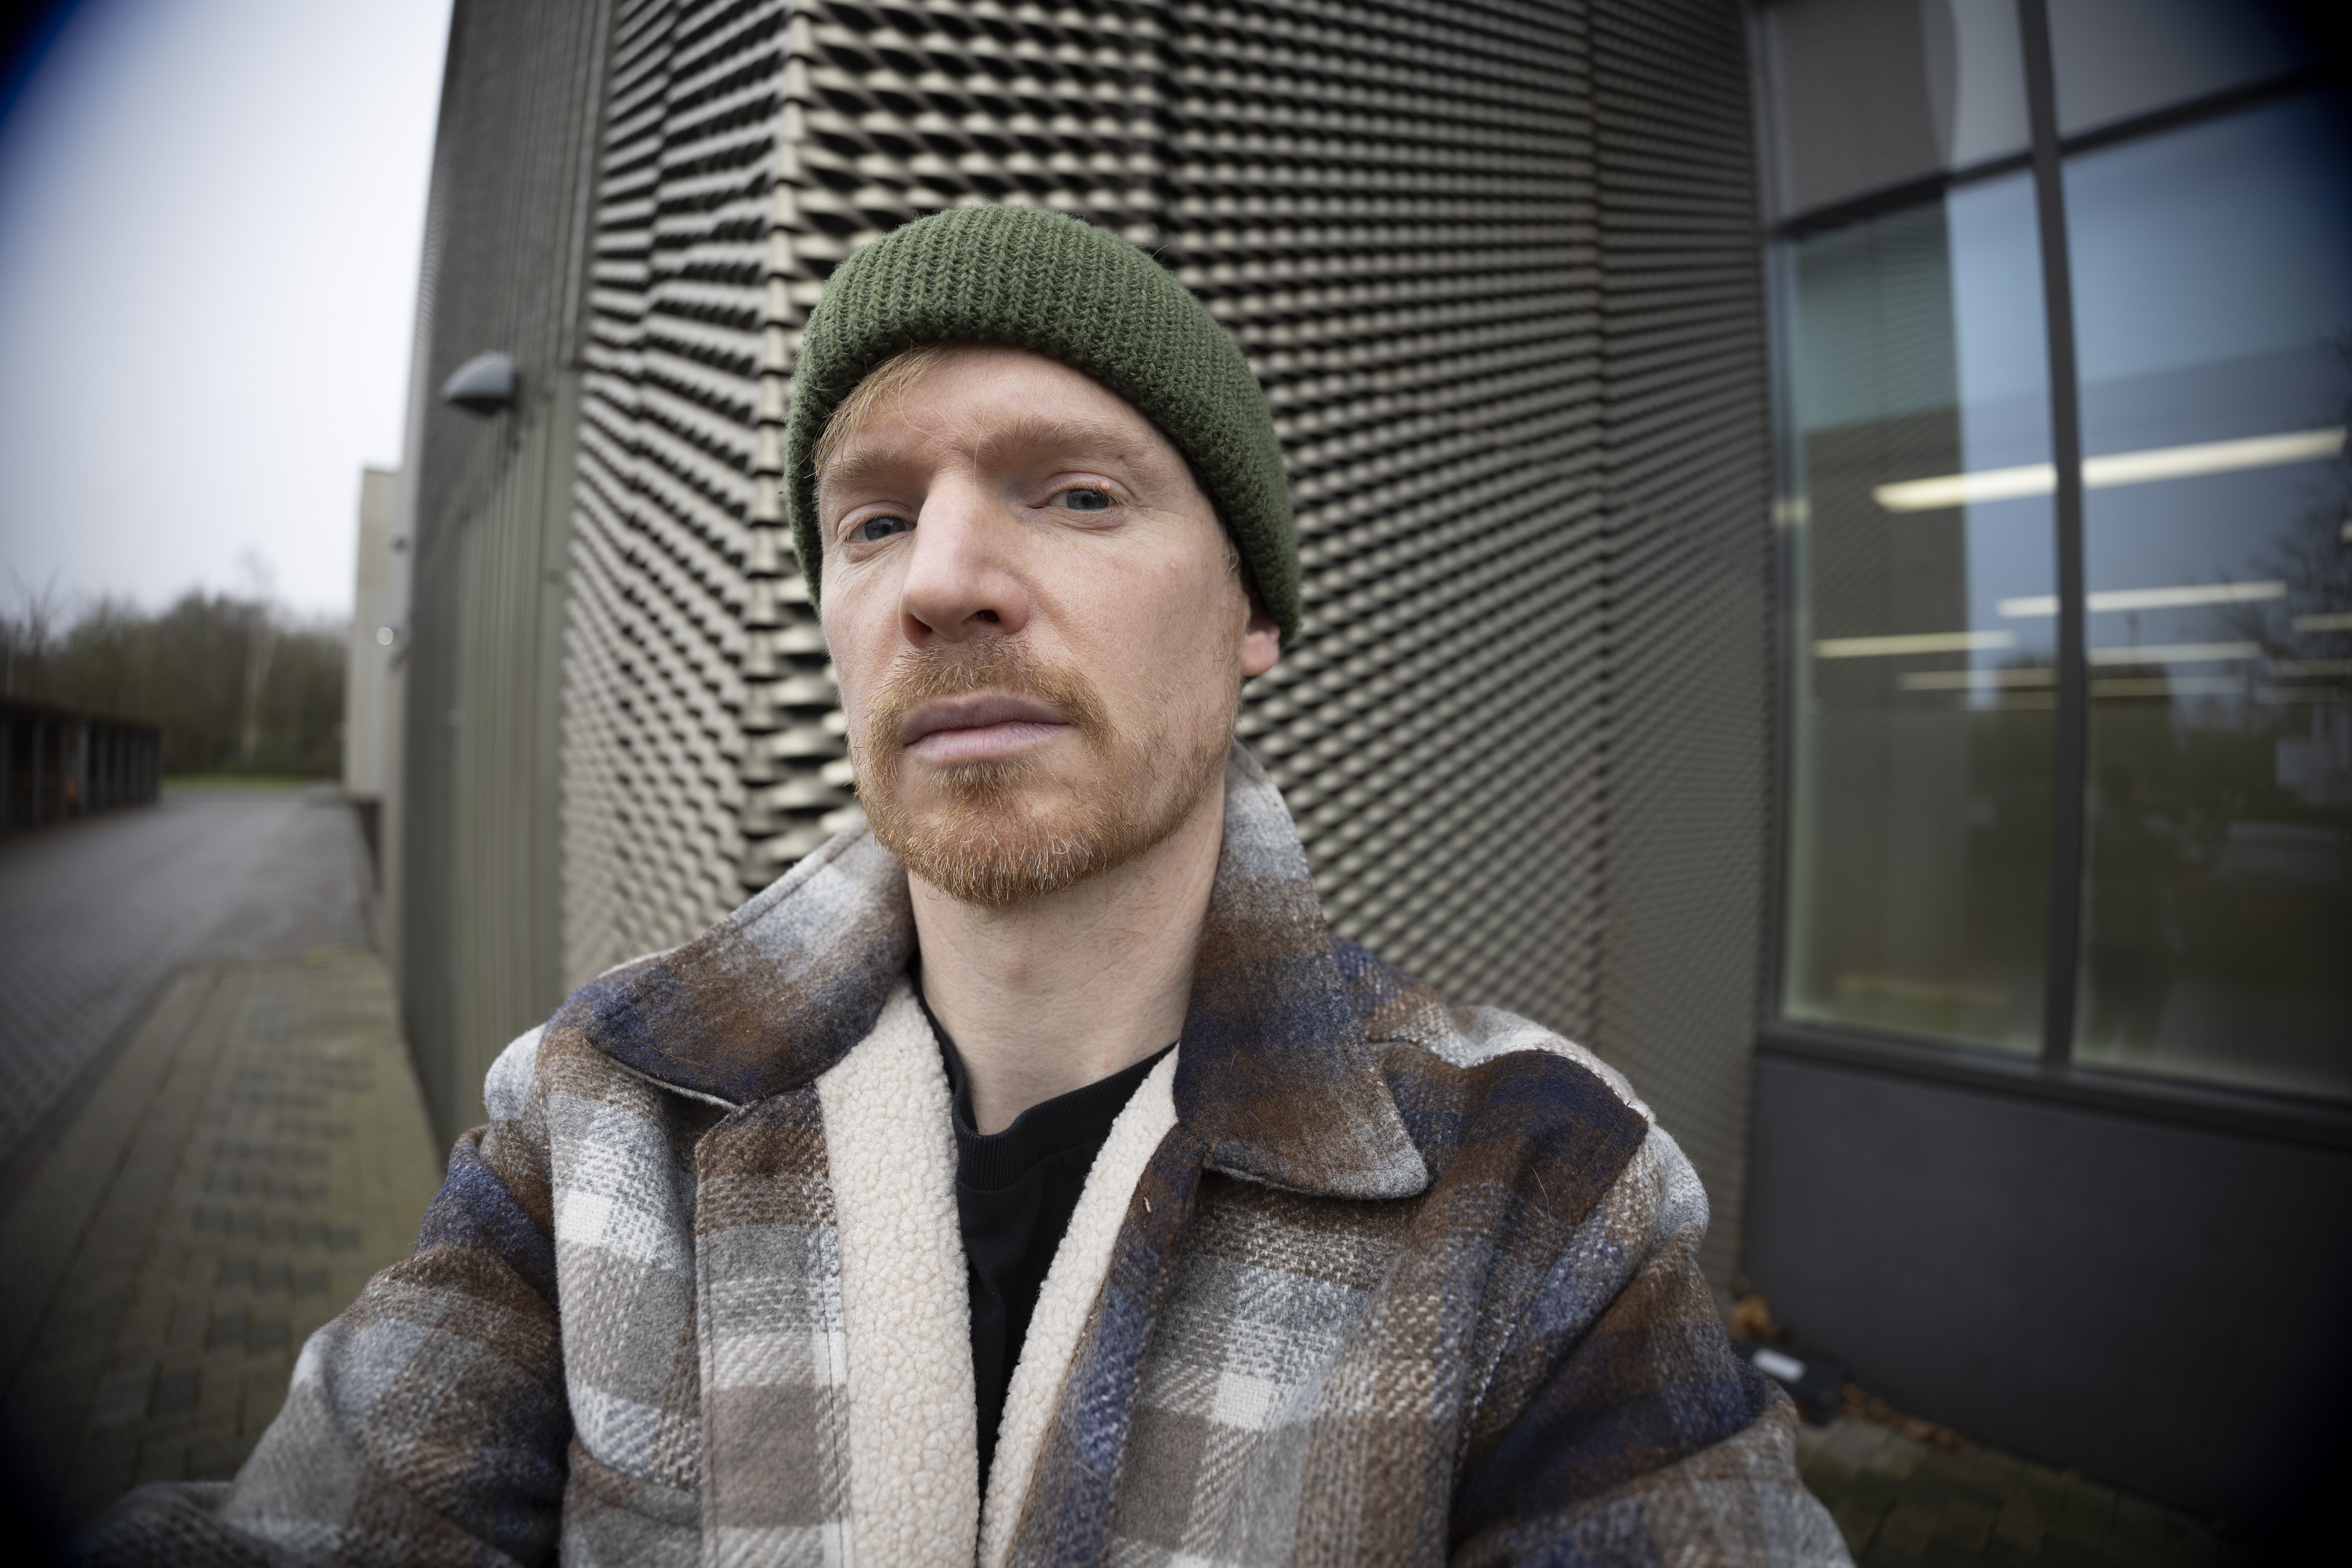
(210, 214)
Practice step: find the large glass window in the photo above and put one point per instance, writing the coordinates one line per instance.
(2212, 270)
(2116, 59)
(1937, 793)
(1865, 94)
(1921, 819)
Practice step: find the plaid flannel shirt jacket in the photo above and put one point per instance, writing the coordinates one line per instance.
(1356, 1278)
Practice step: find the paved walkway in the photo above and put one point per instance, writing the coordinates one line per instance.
(246, 1154)
(95, 916)
(1901, 1502)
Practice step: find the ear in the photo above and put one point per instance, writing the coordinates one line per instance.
(1261, 641)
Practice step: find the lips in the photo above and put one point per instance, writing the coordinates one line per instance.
(977, 727)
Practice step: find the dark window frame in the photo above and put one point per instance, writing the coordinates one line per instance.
(2054, 1076)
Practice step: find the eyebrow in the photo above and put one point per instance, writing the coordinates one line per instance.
(860, 463)
(1034, 430)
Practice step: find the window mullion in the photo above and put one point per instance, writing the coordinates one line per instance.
(2071, 742)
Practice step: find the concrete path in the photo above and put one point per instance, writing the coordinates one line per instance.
(97, 915)
(1901, 1503)
(240, 1160)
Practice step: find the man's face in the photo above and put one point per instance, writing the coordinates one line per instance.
(1036, 622)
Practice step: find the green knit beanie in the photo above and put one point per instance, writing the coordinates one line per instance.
(1026, 277)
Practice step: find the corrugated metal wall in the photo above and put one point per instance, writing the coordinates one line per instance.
(1496, 266)
(487, 513)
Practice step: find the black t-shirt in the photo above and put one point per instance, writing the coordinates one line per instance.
(1015, 1191)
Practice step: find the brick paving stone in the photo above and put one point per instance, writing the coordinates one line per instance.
(122, 1397)
(2024, 1520)
(1859, 1525)
(1898, 1501)
(283, 1157)
(1900, 1456)
(1984, 1470)
(2087, 1513)
(1968, 1522)
(160, 1459)
(1906, 1532)
(265, 1392)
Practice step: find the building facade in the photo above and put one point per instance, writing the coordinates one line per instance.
(1709, 605)
(372, 674)
(1483, 312)
(2056, 1044)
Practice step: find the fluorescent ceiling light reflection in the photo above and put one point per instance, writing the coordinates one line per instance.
(1962, 487)
(1968, 679)
(2210, 457)
(1960, 490)
(2170, 686)
(1920, 642)
(2330, 621)
(2114, 468)
(2175, 652)
(2147, 598)
(2311, 667)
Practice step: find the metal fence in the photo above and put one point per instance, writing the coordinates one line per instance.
(60, 763)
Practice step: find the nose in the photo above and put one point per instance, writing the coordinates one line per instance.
(961, 581)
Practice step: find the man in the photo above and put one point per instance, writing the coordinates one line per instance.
(1031, 1176)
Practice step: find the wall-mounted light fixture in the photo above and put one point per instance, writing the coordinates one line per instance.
(483, 384)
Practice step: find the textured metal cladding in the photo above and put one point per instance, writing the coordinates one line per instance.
(1391, 208)
(1689, 487)
(653, 738)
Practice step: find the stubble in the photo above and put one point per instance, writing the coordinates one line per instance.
(1005, 831)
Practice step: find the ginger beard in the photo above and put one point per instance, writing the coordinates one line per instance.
(999, 831)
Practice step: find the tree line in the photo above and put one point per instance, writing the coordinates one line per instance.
(238, 685)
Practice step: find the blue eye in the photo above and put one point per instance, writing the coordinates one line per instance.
(1084, 497)
(874, 530)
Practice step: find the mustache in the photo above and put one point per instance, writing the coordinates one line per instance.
(1005, 668)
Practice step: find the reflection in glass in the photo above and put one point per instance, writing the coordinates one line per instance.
(1915, 360)
(1868, 94)
(2119, 59)
(2213, 287)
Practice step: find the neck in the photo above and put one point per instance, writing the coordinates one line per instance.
(1050, 995)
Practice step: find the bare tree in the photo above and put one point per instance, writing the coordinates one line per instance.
(236, 683)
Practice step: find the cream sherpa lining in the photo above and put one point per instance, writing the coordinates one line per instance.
(914, 1462)
(1076, 1276)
